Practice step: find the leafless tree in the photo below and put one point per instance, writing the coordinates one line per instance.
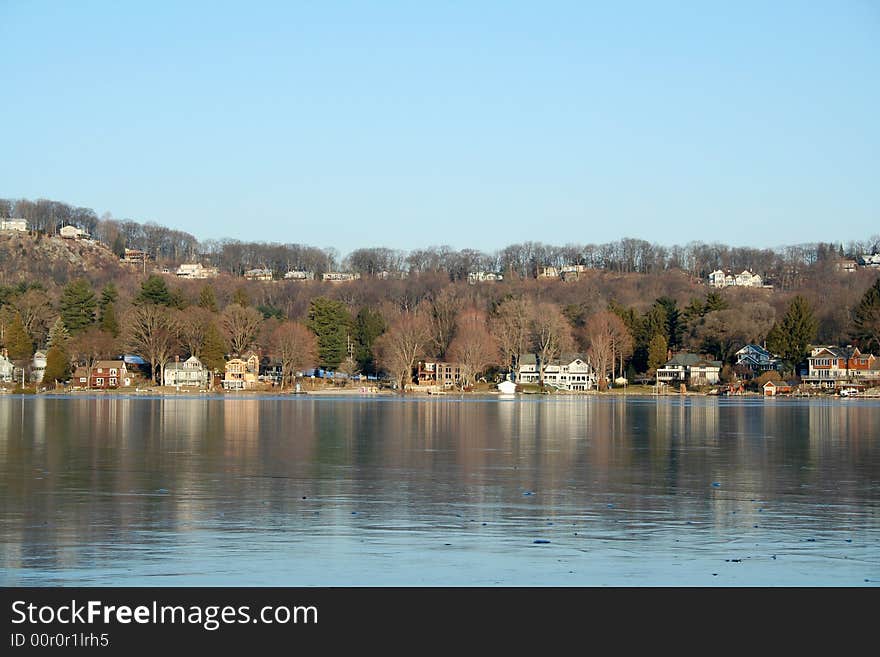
(550, 335)
(606, 337)
(241, 326)
(510, 325)
(473, 347)
(295, 346)
(150, 332)
(92, 345)
(192, 325)
(400, 347)
(35, 310)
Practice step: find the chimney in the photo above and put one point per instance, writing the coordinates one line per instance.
(177, 359)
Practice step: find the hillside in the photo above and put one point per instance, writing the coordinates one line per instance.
(36, 257)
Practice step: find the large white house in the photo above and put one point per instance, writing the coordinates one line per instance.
(691, 369)
(483, 277)
(719, 278)
(568, 372)
(73, 233)
(196, 270)
(190, 372)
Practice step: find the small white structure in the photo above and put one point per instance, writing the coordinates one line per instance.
(18, 225)
(484, 277)
(339, 276)
(299, 275)
(38, 367)
(507, 387)
(6, 367)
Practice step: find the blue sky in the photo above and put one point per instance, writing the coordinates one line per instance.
(473, 124)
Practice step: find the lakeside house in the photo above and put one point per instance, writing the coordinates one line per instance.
(568, 372)
(443, 374)
(773, 388)
(242, 373)
(7, 368)
(832, 367)
(757, 359)
(105, 374)
(691, 369)
(190, 373)
(38, 367)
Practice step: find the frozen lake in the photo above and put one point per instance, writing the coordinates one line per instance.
(472, 491)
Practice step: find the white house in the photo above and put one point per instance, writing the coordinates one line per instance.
(339, 276)
(261, 274)
(483, 276)
(6, 367)
(38, 367)
(690, 368)
(190, 372)
(757, 359)
(299, 275)
(870, 260)
(719, 278)
(196, 270)
(569, 372)
(72, 233)
(19, 225)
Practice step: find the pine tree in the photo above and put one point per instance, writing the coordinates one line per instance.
(155, 291)
(714, 301)
(657, 352)
(207, 299)
(241, 298)
(78, 306)
(57, 365)
(791, 337)
(18, 342)
(866, 320)
(331, 323)
(58, 335)
(213, 353)
(369, 325)
(108, 295)
(109, 322)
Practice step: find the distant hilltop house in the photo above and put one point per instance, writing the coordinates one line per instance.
(565, 272)
(73, 233)
(691, 369)
(299, 275)
(190, 372)
(134, 257)
(483, 277)
(871, 260)
(17, 225)
(757, 359)
(196, 270)
(832, 367)
(339, 276)
(846, 265)
(568, 372)
(260, 274)
(719, 278)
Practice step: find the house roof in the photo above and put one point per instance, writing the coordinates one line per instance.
(179, 365)
(685, 359)
(564, 359)
(107, 364)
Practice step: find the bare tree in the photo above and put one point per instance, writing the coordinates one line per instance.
(92, 345)
(607, 336)
(510, 326)
(150, 332)
(550, 335)
(473, 347)
(193, 324)
(296, 347)
(399, 348)
(444, 309)
(35, 310)
(241, 326)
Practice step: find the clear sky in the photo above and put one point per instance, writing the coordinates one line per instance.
(473, 124)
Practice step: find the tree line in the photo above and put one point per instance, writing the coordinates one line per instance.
(785, 266)
(485, 329)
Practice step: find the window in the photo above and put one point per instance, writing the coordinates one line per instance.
(99, 381)
(113, 371)
(112, 382)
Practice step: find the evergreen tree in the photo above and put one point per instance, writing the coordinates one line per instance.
(331, 323)
(241, 298)
(207, 299)
(57, 366)
(673, 324)
(58, 335)
(694, 310)
(18, 342)
(109, 322)
(154, 291)
(714, 301)
(791, 338)
(369, 325)
(108, 295)
(657, 352)
(866, 320)
(213, 352)
(78, 306)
